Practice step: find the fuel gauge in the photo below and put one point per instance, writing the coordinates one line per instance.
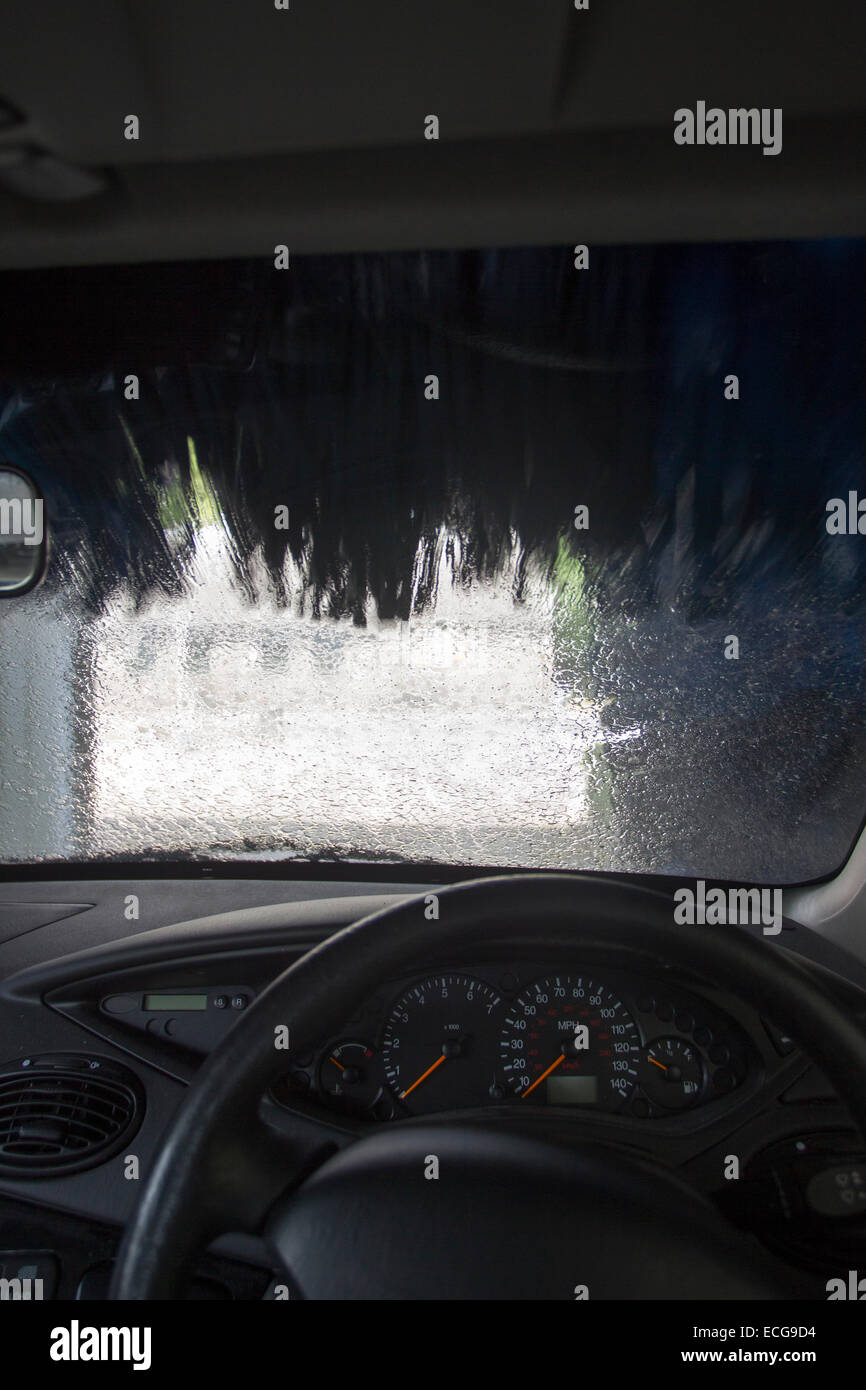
(673, 1073)
(351, 1074)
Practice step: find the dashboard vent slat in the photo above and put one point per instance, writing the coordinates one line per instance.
(63, 1113)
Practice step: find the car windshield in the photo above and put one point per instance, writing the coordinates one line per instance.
(542, 558)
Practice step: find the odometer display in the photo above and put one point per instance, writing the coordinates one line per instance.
(569, 1041)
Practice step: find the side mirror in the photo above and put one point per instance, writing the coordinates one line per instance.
(23, 541)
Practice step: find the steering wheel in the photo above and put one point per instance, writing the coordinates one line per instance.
(513, 1213)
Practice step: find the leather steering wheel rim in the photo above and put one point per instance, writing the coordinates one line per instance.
(203, 1169)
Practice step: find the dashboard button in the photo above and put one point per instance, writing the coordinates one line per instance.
(220, 1002)
(120, 1004)
(839, 1191)
(239, 1001)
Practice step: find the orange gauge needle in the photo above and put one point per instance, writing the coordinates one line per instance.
(657, 1064)
(336, 1063)
(423, 1077)
(552, 1067)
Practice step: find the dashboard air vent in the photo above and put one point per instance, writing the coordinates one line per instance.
(63, 1113)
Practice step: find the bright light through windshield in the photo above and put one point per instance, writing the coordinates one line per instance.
(575, 606)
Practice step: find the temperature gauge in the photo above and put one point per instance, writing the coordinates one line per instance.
(350, 1073)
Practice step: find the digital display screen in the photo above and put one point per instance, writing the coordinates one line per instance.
(174, 1003)
(572, 1090)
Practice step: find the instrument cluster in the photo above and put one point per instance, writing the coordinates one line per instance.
(569, 1038)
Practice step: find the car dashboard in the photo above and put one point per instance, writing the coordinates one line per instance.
(571, 1037)
(123, 1013)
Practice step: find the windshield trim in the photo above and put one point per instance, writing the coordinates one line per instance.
(360, 871)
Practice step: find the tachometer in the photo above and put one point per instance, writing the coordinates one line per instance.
(569, 1041)
(439, 1046)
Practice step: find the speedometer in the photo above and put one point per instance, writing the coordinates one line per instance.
(569, 1041)
(439, 1044)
